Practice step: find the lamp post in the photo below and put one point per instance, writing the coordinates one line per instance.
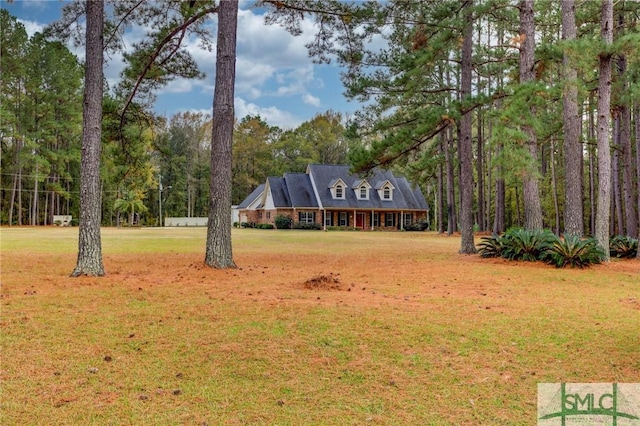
(161, 189)
(160, 200)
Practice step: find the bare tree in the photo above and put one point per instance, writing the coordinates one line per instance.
(218, 253)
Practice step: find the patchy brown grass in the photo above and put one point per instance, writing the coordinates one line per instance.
(312, 328)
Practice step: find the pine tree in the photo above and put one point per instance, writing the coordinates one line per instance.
(603, 131)
(218, 253)
(531, 192)
(89, 243)
(573, 214)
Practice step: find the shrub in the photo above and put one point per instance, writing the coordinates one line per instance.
(283, 222)
(248, 224)
(302, 225)
(622, 247)
(264, 226)
(491, 246)
(574, 251)
(419, 225)
(524, 244)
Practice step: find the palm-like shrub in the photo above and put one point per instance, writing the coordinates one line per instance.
(623, 247)
(491, 246)
(525, 244)
(574, 251)
(131, 203)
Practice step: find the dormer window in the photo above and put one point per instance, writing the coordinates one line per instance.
(361, 189)
(385, 190)
(337, 188)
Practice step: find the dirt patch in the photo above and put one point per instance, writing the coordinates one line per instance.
(631, 302)
(323, 282)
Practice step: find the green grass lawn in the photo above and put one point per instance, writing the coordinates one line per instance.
(416, 335)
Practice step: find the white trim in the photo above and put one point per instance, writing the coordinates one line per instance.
(268, 203)
(315, 188)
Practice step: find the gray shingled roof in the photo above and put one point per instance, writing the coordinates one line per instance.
(279, 192)
(300, 190)
(404, 196)
(251, 197)
(296, 190)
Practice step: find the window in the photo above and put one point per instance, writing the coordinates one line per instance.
(306, 217)
(344, 221)
(408, 219)
(268, 215)
(361, 189)
(386, 193)
(364, 194)
(389, 219)
(338, 187)
(328, 218)
(376, 219)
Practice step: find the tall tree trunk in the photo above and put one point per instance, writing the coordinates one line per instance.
(13, 195)
(636, 116)
(440, 201)
(482, 223)
(629, 200)
(617, 217)
(467, 245)
(554, 185)
(592, 170)
(531, 193)
(604, 154)
(218, 252)
(573, 209)
(482, 199)
(89, 244)
(34, 204)
(451, 191)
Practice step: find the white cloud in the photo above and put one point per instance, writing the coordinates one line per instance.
(309, 99)
(179, 85)
(274, 75)
(296, 81)
(31, 27)
(271, 115)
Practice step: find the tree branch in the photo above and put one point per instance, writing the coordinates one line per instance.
(156, 53)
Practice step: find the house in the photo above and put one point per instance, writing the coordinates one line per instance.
(332, 196)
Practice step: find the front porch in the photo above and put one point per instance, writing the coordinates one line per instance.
(370, 219)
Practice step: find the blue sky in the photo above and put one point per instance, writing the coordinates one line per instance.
(275, 78)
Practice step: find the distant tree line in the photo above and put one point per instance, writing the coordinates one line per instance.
(41, 86)
(506, 113)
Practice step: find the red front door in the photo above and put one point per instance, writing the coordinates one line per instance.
(360, 220)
